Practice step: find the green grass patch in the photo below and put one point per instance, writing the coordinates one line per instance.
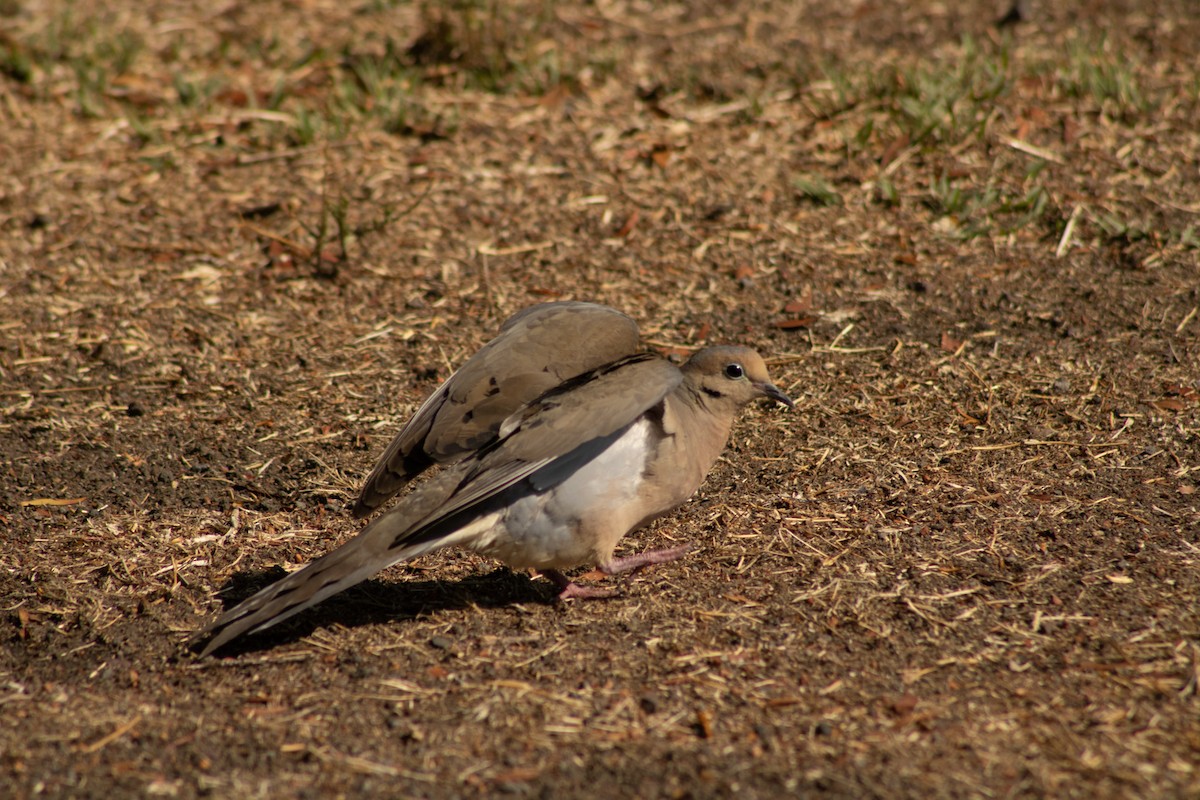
(990, 209)
(816, 189)
(944, 103)
(1098, 71)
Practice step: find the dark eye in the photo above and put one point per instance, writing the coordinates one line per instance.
(734, 371)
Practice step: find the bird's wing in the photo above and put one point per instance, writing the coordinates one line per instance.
(537, 349)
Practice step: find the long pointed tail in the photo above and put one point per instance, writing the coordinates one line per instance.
(410, 529)
(353, 562)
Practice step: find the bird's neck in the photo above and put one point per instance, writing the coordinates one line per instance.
(699, 425)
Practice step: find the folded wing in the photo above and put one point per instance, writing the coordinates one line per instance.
(536, 350)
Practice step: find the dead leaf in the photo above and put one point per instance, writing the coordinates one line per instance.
(704, 723)
(233, 97)
(1070, 129)
(630, 223)
(801, 304)
(965, 418)
(904, 704)
(1179, 389)
(950, 344)
(894, 148)
(556, 97)
(779, 702)
(1170, 404)
(792, 324)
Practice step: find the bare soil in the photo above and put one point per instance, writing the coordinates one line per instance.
(966, 566)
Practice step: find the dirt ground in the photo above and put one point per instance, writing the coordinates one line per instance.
(240, 243)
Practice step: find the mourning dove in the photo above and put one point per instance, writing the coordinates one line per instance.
(566, 477)
(537, 349)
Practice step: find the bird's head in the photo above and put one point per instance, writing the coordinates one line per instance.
(732, 374)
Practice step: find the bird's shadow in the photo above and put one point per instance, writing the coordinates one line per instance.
(375, 601)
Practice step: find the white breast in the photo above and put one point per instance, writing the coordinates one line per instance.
(556, 528)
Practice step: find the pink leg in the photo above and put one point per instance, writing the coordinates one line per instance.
(642, 560)
(568, 589)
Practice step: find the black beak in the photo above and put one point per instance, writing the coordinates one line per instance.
(772, 391)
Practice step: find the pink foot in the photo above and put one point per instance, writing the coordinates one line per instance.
(643, 560)
(569, 590)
